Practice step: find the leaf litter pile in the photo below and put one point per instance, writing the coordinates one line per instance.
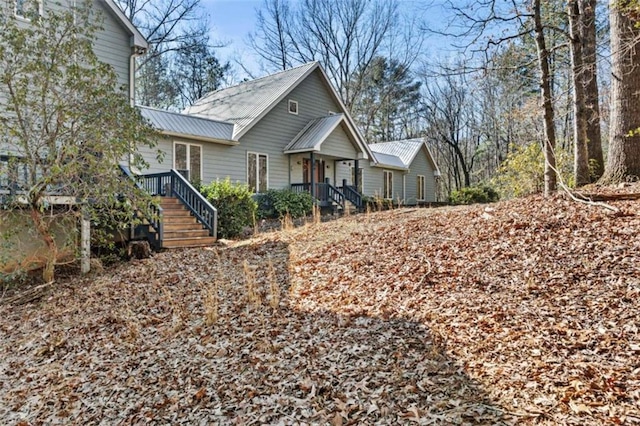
(523, 312)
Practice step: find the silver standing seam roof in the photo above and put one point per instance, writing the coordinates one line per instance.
(314, 134)
(177, 124)
(399, 154)
(246, 103)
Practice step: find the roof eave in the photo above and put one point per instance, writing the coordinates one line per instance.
(138, 41)
(199, 138)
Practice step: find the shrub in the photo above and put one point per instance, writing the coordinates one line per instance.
(376, 203)
(474, 194)
(522, 173)
(235, 205)
(276, 203)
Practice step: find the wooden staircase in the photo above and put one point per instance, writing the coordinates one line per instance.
(181, 229)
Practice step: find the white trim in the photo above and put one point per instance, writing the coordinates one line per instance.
(137, 39)
(26, 2)
(384, 183)
(291, 103)
(256, 189)
(189, 145)
(421, 185)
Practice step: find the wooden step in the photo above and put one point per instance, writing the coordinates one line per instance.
(186, 233)
(188, 242)
(166, 201)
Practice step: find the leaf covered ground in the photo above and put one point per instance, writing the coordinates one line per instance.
(522, 312)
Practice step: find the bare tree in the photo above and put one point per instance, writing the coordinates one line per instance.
(343, 35)
(590, 81)
(581, 156)
(177, 31)
(623, 161)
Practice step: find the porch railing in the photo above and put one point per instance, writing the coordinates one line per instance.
(155, 218)
(173, 183)
(324, 192)
(351, 194)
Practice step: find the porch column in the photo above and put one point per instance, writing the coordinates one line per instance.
(356, 179)
(313, 176)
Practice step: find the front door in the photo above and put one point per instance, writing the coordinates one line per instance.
(318, 172)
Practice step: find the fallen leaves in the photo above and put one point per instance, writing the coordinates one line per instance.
(527, 312)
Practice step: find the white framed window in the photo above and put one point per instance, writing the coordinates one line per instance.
(293, 107)
(27, 9)
(387, 188)
(187, 159)
(257, 171)
(420, 192)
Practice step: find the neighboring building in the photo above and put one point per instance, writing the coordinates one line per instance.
(403, 171)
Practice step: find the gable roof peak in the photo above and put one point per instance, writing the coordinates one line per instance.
(246, 103)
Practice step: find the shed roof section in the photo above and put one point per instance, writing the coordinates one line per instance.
(314, 133)
(246, 103)
(189, 126)
(404, 150)
(388, 160)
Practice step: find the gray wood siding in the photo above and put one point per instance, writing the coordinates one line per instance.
(420, 166)
(338, 145)
(214, 159)
(113, 45)
(271, 134)
(373, 182)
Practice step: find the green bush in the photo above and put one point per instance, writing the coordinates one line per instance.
(377, 203)
(276, 203)
(522, 173)
(235, 205)
(474, 194)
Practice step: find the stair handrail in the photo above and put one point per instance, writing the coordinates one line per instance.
(195, 202)
(335, 194)
(352, 195)
(155, 220)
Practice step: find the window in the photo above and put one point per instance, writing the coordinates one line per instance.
(387, 189)
(293, 107)
(187, 159)
(420, 188)
(257, 171)
(27, 9)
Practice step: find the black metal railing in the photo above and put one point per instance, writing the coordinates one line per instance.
(351, 194)
(174, 184)
(324, 192)
(154, 219)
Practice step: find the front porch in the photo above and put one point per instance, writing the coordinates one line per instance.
(333, 182)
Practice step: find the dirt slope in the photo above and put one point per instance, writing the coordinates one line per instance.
(523, 312)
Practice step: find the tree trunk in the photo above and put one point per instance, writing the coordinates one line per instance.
(550, 179)
(44, 230)
(590, 79)
(623, 162)
(580, 157)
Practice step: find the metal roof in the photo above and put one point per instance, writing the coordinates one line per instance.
(400, 152)
(314, 133)
(387, 160)
(189, 126)
(246, 103)
(405, 150)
